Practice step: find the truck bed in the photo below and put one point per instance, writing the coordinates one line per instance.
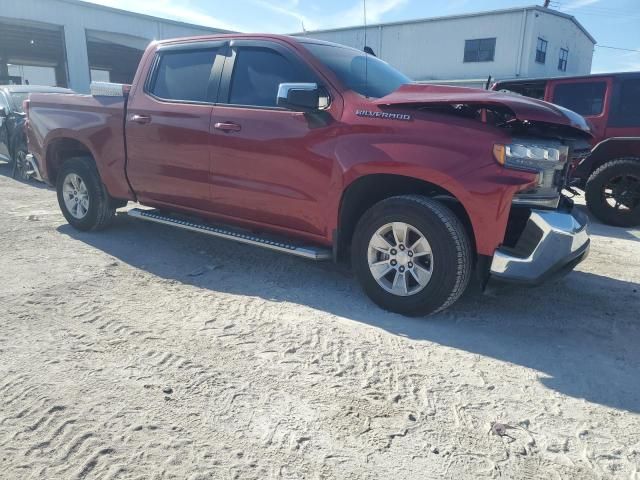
(95, 122)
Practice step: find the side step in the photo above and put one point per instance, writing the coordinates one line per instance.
(270, 242)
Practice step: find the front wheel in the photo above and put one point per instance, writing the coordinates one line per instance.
(412, 255)
(82, 196)
(613, 192)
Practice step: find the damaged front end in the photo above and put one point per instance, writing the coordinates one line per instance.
(545, 236)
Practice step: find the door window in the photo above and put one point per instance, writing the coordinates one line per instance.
(626, 110)
(257, 74)
(585, 98)
(184, 75)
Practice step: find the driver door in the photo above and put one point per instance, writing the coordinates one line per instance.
(269, 165)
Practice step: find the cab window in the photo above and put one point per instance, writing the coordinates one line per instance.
(626, 106)
(586, 98)
(184, 75)
(257, 74)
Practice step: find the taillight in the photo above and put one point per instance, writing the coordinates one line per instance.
(25, 107)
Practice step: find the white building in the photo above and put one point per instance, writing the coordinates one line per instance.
(69, 42)
(519, 42)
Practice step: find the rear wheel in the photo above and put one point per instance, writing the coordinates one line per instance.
(82, 196)
(412, 255)
(613, 192)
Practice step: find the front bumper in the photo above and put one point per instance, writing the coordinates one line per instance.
(552, 243)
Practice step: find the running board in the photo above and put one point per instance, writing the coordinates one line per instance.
(270, 242)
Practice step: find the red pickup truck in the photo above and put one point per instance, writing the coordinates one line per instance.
(610, 173)
(325, 152)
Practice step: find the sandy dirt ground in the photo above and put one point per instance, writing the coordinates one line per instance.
(147, 352)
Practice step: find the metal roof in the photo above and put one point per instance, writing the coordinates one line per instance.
(97, 6)
(462, 15)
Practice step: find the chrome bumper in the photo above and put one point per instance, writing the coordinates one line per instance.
(552, 243)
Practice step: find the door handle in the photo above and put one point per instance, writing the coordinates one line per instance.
(140, 118)
(227, 127)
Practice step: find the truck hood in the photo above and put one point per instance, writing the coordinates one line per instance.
(522, 108)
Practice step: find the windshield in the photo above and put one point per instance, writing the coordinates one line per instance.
(17, 98)
(365, 74)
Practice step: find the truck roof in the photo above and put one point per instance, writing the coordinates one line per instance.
(248, 36)
(577, 77)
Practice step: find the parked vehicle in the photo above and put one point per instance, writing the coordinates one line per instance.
(322, 151)
(13, 141)
(610, 174)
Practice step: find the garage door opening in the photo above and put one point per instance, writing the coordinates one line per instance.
(114, 57)
(32, 53)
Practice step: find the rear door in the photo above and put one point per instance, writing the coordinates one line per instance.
(270, 165)
(4, 129)
(590, 97)
(167, 126)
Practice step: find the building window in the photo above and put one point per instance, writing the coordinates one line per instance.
(541, 51)
(479, 50)
(562, 61)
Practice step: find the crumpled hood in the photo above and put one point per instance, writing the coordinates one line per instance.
(523, 108)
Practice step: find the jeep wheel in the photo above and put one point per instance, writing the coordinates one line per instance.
(412, 255)
(613, 192)
(82, 197)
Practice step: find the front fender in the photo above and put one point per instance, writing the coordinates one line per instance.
(484, 188)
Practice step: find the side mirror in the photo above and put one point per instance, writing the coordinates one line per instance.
(4, 112)
(302, 97)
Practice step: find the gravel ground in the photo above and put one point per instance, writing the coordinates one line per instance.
(146, 352)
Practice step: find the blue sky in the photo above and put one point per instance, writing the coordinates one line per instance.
(613, 23)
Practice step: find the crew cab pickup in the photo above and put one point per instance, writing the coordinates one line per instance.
(325, 152)
(610, 172)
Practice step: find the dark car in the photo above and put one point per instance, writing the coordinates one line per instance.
(609, 173)
(13, 142)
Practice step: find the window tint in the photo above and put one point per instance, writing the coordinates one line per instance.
(257, 74)
(479, 50)
(626, 110)
(562, 61)
(184, 75)
(364, 74)
(584, 98)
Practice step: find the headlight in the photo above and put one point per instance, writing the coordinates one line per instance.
(530, 157)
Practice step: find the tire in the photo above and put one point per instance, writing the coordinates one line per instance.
(600, 199)
(450, 261)
(19, 166)
(98, 210)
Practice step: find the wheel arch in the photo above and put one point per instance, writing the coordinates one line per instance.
(367, 190)
(60, 150)
(609, 149)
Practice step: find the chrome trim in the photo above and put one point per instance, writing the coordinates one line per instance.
(536, 200)
(563, 239)
(285, 88)
(305, 251)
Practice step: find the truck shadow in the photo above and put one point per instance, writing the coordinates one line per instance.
(581, 333)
